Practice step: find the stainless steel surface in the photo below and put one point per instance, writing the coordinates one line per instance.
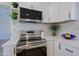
(30, 39)
(30, 35)
(30, 45)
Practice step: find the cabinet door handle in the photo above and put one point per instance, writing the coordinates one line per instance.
(69, 15)
(59, 46)
(68, 50)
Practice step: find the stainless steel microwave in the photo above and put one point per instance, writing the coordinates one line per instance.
(30, 15)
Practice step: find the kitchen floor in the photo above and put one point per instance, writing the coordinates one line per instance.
(41, 51)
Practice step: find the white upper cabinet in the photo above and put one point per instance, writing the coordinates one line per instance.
(53, 11)
(75, 11)
(65, 10)
(69, 11)
(37, 6)
(24, 4)
(31, 5)
(45, 12)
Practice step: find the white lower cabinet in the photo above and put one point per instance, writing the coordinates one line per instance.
(70, 51)
(9, 51)
(57, 48)
(66, 50)
(61, 49)
(50, 47)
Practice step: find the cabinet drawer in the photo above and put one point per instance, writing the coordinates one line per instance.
(61, 49)
(69, 50)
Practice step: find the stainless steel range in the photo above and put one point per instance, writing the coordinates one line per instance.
(29, 40)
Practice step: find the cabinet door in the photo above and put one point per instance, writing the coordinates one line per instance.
(54, 11)
(57, 48)
(28, 5)
(76, 52)
(32, 5)
(50, 48)
(62, 50)
(74, 11)
(69, 51)
(45, 13)
(37, 6)
(65, 8)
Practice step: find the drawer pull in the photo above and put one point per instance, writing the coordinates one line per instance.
(69, 15)
(68, 50)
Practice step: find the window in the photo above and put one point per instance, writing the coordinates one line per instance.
(4, 22)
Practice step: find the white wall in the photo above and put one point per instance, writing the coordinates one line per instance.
(34, 26)
(72, 27)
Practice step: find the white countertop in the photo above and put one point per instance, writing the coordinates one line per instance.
(73, 42)
(10, 43)
(3, 41)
